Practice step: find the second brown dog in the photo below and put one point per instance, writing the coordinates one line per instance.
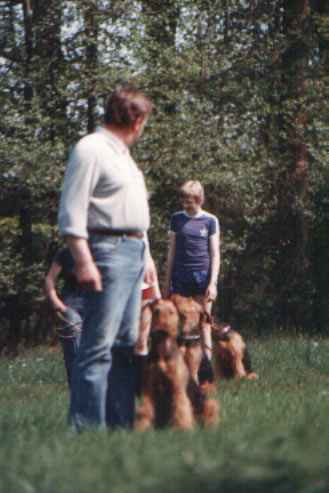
(170, 395)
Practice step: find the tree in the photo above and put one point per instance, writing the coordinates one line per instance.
(238, 89)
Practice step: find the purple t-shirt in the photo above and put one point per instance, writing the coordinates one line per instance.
(192, 240)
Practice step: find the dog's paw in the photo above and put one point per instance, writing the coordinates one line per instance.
(211, 413)
(252, 376)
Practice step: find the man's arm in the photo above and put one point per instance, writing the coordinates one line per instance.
(214, 251)
(170, 262)
(80, 180)
(85, 268)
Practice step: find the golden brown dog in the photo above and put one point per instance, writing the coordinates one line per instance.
(231, 356)
(170, 396)
(190, 332)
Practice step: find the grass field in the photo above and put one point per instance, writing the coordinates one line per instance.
(274, 434)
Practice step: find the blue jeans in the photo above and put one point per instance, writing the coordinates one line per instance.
(111, 321)
(70, 331)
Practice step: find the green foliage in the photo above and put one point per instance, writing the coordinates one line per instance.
(238, 88)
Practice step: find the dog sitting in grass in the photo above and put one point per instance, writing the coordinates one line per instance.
(190, 332)
(231, 357)
(170, 395)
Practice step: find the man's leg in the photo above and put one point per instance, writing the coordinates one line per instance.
(122, 382)
(120, 263)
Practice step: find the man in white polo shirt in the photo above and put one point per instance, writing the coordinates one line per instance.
(104, 217)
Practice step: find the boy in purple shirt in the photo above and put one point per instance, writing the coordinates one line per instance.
(194, 253)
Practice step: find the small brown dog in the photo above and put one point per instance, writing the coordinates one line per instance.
(231, 356)
(169, 395)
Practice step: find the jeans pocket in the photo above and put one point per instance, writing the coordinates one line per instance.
(71, 323)
(101, 245)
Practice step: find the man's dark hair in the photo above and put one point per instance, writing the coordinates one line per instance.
(125, 105)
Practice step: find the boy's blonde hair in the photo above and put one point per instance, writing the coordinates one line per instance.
(193, 188)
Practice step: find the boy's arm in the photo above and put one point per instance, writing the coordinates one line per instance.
(214, 250)
(150, 275)
(50, 287)
(170, 262)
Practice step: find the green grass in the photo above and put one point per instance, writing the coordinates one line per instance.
(274, 434)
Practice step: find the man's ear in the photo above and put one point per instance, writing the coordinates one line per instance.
(138, 124)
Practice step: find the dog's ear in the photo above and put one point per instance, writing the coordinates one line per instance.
(221, 332)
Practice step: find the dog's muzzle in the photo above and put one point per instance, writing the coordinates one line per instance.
(157, 336)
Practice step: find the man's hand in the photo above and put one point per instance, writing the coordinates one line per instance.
(85, 268)
(88, 275)
(211, 293)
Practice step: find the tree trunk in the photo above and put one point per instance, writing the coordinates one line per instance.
(294, 193)
(161, 21)
(91, 35)
(47, 21)
(28, 38)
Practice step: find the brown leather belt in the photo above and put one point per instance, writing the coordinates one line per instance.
(117, 232)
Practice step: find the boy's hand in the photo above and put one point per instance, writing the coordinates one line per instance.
(211, 293)
(59, 306)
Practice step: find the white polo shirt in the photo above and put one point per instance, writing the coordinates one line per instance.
(103, 188)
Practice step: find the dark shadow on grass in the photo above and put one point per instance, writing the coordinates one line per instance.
(282, 478)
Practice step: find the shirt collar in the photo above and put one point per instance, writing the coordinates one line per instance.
(113, 139)
(199, 214)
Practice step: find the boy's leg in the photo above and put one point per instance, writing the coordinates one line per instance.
(206, 333)
(206, 373)
(69, 336)
(70, 349)
(206, 329)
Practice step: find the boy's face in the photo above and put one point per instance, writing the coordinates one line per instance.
(191, 204)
